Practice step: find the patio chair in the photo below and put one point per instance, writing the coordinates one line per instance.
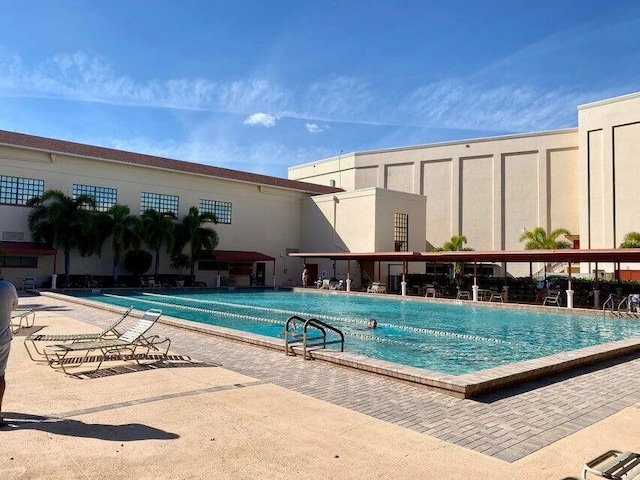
(463, 294)
(377, 287)
(553, 298)
(112, 348)
(22, 319)
(430, 291)
(109, 332)
(614, 464)
(496, 296)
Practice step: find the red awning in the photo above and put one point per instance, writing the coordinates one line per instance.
(625, 255)
(237, 256)
(27, 248)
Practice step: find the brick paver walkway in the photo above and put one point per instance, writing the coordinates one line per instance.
(507, 425)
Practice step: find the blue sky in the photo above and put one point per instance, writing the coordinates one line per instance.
(260, 85)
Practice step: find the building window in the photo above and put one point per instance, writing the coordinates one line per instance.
(18, 191)
(222, 210)
(105, 197)
(401, 232)
(18, 262)
(212, 265)
(159, 202)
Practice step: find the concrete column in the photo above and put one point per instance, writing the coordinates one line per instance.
(569, 298)
(348, 284)
(505, 289)
(404, 288)
(54, 281)
(474, 290)
(218, 281)
(596, 299)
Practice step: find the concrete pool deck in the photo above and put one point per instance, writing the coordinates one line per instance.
(236, 411)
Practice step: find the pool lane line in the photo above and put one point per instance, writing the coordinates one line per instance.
(426, 331)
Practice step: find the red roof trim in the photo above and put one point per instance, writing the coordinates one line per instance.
(563, 255)
(102, 153)
(238, 256)
(26, 248)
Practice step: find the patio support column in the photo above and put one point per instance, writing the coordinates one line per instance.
(349, 275)
(596, 290)
(274, 273)
(404, 278)
(505, 287)
(569, 290)
(475, 287)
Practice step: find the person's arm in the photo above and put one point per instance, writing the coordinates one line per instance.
(15, 299)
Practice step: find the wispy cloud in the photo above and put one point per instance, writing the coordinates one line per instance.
(261, 119)
(477, 101)
(268, 158)
(315, 128)
(83, 77)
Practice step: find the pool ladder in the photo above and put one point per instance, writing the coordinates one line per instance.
(309, 333)
(626, 305)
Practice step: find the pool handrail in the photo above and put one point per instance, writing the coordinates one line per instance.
(291, 336)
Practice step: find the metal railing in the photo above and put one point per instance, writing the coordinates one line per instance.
(309, 333)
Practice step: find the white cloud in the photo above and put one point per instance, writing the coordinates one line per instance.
(262, 119)
(267, 158)
(314, 128)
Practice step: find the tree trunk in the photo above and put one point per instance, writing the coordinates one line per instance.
(67, 262)
(157, 267)
(115, 269)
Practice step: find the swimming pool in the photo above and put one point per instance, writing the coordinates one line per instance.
(449, 338)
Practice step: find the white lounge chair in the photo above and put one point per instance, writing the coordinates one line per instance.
(134, 338)
(22, 319)
(614, 464)
(109, 332)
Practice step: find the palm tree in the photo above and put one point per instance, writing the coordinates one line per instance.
(456, 243)
(157, 229)
(180, 261)
(124, 229)
(199, 237)
(539, 239)
(631, 240)
(63, 222)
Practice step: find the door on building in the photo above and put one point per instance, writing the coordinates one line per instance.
(260, 273)
(312, 268)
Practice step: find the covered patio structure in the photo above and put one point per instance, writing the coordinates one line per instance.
(569, 256)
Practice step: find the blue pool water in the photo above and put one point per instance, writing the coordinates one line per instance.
(448, 338)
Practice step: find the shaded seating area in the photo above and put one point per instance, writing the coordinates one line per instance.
(614, 464)
(109, 332)
(124, 347)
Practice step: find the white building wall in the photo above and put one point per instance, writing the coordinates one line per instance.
(264, 219)
(486, 189)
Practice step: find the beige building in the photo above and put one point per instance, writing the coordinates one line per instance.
(404, 199)
(492, 189)
(261, 218)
